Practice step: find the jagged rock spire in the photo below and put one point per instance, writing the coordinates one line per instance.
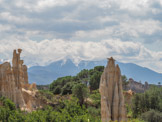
(19, 70)
(112, 99)
(14, 84)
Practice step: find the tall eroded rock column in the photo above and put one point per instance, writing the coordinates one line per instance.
(14, 84)
(19, 70)
(112, 98)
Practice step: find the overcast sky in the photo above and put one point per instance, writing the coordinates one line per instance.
(50, 30)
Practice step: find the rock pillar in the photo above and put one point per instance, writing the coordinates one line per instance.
(112, 98)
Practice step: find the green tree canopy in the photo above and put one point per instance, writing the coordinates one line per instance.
(80, 91)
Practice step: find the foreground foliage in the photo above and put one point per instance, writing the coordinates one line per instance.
(148, 105)
(152, 116)
(67, 111)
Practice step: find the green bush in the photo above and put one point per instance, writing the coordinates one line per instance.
(81, 92)
(96, 98)
(7, 103)
(8, 112)
(95, 80)
(16, 116)
(57, 90)
(71, 112)
(152, 116)
(67, 88)
(99, 68)
(95, 112)
(63, 85)
(143, 102)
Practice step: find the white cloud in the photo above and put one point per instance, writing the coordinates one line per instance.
(133, 28)
(46, 51)
(136, 5)
(17, 19)
(96, 29)
(51, 3)
(74, 18)
(41, 5)
(137, 26)
(4, 28)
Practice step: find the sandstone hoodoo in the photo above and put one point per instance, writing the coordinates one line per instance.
(14, 84)
(128, 95)
(112, 98)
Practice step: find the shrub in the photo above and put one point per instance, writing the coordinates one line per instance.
(152, 116)
(96, 98)
(95, 80)
(81, 92)
(151, 99)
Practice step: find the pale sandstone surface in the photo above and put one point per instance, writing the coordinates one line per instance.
(112, 98)
(14, 84)
(128, 95)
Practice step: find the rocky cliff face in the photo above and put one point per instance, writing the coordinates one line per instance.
(112, 99)
(136, 87)
(128, 96)
(14, 84)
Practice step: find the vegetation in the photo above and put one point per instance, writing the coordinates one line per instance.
(80, 91)
(70, 112)
(151, 99)
(8, 112)
(77, 99)
(42, 87)
(91, 78)
(73, 108)
(96, 98)
(148, 105)
(152, 116)
(124, 81)
(64, 85)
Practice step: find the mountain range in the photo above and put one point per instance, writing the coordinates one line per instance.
(46, 74)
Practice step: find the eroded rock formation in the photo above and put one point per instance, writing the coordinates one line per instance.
(14, 84)
(136, 87)
(128, 95)
(112, 99)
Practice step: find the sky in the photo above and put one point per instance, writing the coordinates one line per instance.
(52, 30)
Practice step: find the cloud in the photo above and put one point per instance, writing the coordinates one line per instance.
(4, 28)
(82, 30)
(41, 5)
(62, 19)
(47, 51)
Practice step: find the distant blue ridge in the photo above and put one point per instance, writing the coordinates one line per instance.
(42, 75)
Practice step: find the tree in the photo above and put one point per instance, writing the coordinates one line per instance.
(63, 85)
(143, 102)
(159, 83)
(57, 90)
(8, 112)
(99, 68)
(84, 76)
(7, 103)
(124, 81)
(67, 88)
(152, 116)
(135, 106)
(80, 91)
(95, 81)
